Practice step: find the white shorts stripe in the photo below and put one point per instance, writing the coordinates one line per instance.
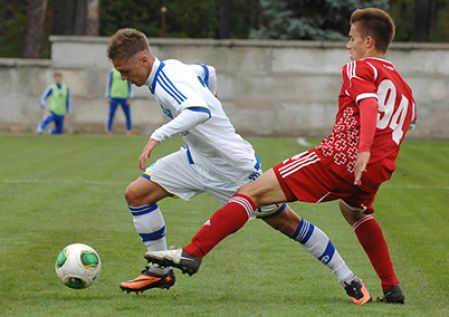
(293, 164)
(299, 167)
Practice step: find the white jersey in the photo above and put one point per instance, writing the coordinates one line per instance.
(214, 145)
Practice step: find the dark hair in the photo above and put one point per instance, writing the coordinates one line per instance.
(126, 43)
(376, 23)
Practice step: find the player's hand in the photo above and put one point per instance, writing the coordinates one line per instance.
(146, 152)
(360, 166)
(108, 101)
(129, 102)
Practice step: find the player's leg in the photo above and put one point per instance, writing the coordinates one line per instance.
(112, 109)
(59, 125)
(370, 236)
(168, 176)
(142, 195)
(127, 112)
(225, 221)
(317, 243)
(46, 120)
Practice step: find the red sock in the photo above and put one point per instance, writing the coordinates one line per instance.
(370, 236)
(225, 221)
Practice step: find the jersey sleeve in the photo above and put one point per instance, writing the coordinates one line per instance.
(359, 80)
(47, 93)
(180, 95)
(108, 84)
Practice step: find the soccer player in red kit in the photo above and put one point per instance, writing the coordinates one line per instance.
(375, 110)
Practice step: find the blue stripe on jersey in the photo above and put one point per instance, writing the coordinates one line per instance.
(200, 109)
(170, 83)
(156, 235)
(143, 210)
(189, 156)
(168, 86)
(146, 176)
(326, 257)
(179, 101)
(206, 74)
(257, 166)
(153, 85)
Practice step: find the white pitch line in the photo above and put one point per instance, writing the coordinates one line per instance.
(113, 183)
(61, 181)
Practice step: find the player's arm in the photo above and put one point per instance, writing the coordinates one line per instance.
(68, 102)
(130, 98)
(186, 120)
(193, 110)
(43, 99)
(368, 117)
(108, 84)
(359, 83)
(210, 78)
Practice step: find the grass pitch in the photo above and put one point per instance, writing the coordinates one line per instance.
(58, 190)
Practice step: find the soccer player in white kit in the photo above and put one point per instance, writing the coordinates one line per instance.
(215, 160)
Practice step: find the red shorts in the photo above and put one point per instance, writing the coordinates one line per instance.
(305, 177)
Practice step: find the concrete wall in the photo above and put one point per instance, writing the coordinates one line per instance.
(267, 87)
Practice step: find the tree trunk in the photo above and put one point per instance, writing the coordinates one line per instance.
(423, 14)
(64, 17)
(224, 31)
(35, 28)
(80, 17)
(93, 17)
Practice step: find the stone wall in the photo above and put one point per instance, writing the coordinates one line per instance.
(286, 88)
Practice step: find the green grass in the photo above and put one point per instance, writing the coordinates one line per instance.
(58, 190)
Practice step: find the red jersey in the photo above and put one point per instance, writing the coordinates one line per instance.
(368, 78)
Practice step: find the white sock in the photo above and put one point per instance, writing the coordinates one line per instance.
(317, 243)
(150, 226)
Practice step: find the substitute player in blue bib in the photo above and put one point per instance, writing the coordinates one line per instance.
(58, 107)
(215, 160)
(119, 92)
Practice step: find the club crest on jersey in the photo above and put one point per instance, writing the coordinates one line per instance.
(167, 112)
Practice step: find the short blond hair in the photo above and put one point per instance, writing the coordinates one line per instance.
(376, 23)
(126, 43)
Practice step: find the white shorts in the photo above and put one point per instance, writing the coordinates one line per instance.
(180, 176)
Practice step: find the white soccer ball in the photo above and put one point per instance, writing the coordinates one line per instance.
(78, 265)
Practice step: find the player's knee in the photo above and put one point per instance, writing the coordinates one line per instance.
(250, 190)
(132, 196)
(352, 215)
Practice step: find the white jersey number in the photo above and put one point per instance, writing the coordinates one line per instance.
(386, 116)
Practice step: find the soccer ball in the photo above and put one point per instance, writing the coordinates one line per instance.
(78, 265)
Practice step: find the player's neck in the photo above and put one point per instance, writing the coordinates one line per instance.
(374, 53)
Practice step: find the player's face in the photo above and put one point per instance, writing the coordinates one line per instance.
(357, 44)
(58, 78)
(136, 69)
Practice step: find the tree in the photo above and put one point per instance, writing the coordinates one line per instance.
(93, 17)
(224, 16)
(35, 28)
(309, 19)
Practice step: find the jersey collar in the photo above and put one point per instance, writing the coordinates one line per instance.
(152, 79)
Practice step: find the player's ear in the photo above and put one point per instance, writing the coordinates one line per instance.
(369, 42)
(145, 58)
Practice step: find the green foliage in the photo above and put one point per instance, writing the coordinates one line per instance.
(59, 190)
(13, 19)
(140, 14)
(309, 19)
